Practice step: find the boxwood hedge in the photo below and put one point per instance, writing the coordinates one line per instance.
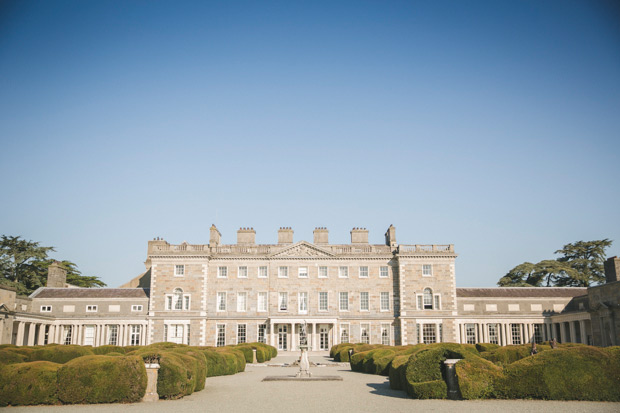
(28, 383)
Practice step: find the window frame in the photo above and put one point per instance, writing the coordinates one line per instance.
(218, 308)
(245, 267)
(321, 267)
(244, 327)
(360, 272)
(280, 295)
(92, 308)
(365, 328)
(430, 270)
(387, 271)
(342, 294)
(299, 272)
(343, 271)
(243, 294)
(364, 300)
(301, 294)
(176, 270)
(326, 294)
(219, 326)
(46, 309)
(222, 271)
(382, 294)
(266, 302)
(134, 307)
(260, 270)
(283, 271)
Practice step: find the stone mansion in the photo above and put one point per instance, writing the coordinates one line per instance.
(214, 295)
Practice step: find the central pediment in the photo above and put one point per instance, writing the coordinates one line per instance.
(302, 249)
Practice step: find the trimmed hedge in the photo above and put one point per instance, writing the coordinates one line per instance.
(219, 363)
(60, 354)
(248, 352)
(11, 357)
(477, 377)
(107, 349)
(509, 354)
(28, 383)
(102, 379)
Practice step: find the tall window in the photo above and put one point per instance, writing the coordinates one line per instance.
(113, 335)
(242, 301)
(221, 335)
(428, 299)
(383, 272)
(364, 302)
(344, 333)
(343, 272)
(283, 272)
(303, 303)
(222, 272)
(67, 332)
(241, 333)
(174, 333)
(221, 301)
(303, 272)
(262, 272)
(538, 333)
(385, 334)
(177, 299)
(322, 272)
(516, 333)
(365, 333)
(262, 301)
(427, 270)
(363, 272)
(243, 272)
(89, 335)
(428, 333)
(470, 333)
(283, 301)
(493, 334)
(179, 270)
(385, 301)
(323, 301)
(134, 338)
(344, 301)
(262, 333)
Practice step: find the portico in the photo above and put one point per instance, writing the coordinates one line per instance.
(284, 333)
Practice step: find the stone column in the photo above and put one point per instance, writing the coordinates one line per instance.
(563, 332)
(572, 332)
(41, 336)
(19, 341)
(51, 335)
(314, 345)
(31, 331)
(582, 328)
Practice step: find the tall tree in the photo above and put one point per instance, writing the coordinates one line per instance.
(587, 259)
(544, 273)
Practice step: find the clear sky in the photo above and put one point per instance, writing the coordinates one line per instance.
(494, 126)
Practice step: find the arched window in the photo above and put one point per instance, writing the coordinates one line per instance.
(177, 298)
(428, 299)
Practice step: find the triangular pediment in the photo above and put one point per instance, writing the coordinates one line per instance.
(302, 249)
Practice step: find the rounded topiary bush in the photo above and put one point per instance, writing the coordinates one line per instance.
(486, 347)
(238, 355)
(219, 363)
(60, 354)
(397, 372)
(378, 360)
(357, 361)
(110, 349)
(28, 383)
(248, 352)
(196, 362)
(477, 377)
(102, 379)
(11, 357)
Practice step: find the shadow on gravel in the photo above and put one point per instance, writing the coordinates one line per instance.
(383, 389)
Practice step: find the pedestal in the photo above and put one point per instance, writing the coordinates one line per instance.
(151, 385)
(304, 364)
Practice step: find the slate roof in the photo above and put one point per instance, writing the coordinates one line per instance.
(91, 293)
(522, 292)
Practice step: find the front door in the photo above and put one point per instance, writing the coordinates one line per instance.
(282, 337)
(323, 338)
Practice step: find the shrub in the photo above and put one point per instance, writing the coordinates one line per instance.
(343, 353)
(379, 360)
(174, 378)
(195, 361)
(477, 377)
(60, 354)
(102, 379)
(11, 357)
(263, 351)
(109, 349)
(435, 389)
(220, 363)
(509, 354)
(397, 372)
(247, 351)
(28, 383)
(486, 347)
(238, 355)
(357, 361)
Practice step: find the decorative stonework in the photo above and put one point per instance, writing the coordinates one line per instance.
(302, 249)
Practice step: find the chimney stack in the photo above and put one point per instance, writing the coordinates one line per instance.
(246, 236)
(612, 268)
(359, 236)
(285, 235)
(215, 236)
(321, 235)
(390, 236)
(56, 276)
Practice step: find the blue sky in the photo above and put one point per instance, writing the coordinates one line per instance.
(494, 126)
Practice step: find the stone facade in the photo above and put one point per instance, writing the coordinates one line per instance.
(214, 294)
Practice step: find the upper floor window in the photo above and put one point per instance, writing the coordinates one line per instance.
(283, 301)
(428, 299)
(323, 301)
(364, 301)
(222, 272)
(177, 300)
(242, 301)
(243, 272)
(363, 272)
(303, 272)
(262, 272)
(427, 270)
(303, 303)
(343, 272)
(283, 272)
(91, 308)
(383, 272)
(344, 301)
(322, 272)
(385, 301)
(179, 270)
(221, 301)
(262, 301)
(136, 307)
(46, 308)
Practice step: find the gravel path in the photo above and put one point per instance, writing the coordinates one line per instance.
(245, 392)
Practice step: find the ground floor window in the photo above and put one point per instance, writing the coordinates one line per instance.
(113, 335)
(89, 335)
(134, 338)
(365, 333)
(344, 333)
(516, 333)
(221, 335)
(538, 333)
(46, 331)
(241, 333)
(440, 333)
(262, 333)
(428, 333)
(67, 332)
(470, 333)
(174, 333)
(385, 334)
(493, 334)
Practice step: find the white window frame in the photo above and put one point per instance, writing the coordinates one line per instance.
(137, 307)
(436, 301)
(280, 295)
(382, 302)
(428, 273)
(283, 272)
(219, 326)
(345, 327)
(112, 334)
(46, 308)
(384, 270)
(220, 301)
(386, 328)
(261, 269)
(367, 301)
(92, 308)
(135, 333)
(326, 294)
(265, 302)
(302, 274)
(343, 272)
(300, 301)
(178, 267)
(365, 327)
(171, 301)
(340, 301)
(243, 268)
(245, 333)
(258, 334)
(243, 294)
(321, 268)
(361, 271)
(222, 272)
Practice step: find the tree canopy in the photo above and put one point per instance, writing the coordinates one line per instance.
(23, 265)
(581, 265)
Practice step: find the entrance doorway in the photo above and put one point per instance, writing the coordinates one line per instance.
(282, 337)
(323, 338)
